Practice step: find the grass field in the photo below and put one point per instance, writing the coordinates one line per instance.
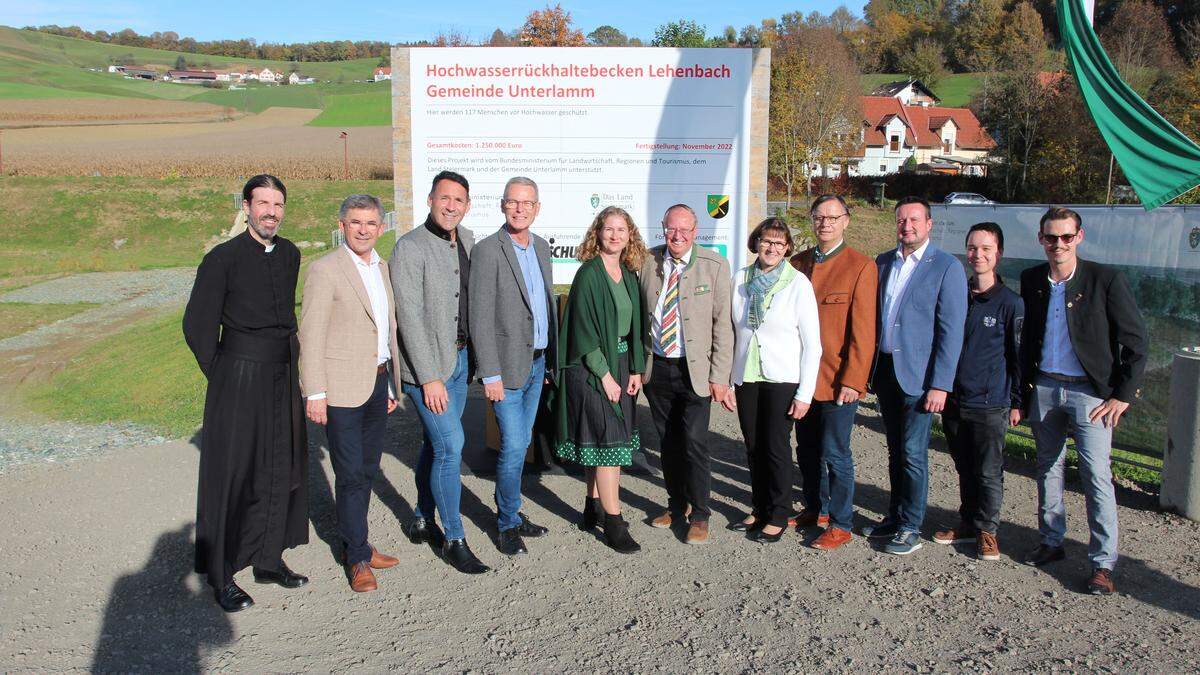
(370, 108)
(18, 317)
(955, 90)
(165, 223)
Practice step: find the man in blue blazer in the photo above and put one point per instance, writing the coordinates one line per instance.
(922, 311)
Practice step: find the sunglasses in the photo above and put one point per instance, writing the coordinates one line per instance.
(1053, 239)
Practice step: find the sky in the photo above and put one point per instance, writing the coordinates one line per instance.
(312, 20)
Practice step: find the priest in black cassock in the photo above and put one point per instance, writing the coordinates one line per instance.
(240, 322)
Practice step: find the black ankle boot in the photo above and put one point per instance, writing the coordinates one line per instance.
(616, 535)
(591, 513)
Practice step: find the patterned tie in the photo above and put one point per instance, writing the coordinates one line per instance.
(668, 336)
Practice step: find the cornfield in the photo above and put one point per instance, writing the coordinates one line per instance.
(274, 141)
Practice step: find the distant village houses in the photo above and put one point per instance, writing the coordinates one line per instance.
(383, 73)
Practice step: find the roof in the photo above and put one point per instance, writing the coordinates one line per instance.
(921, 123)
(199, 74)
(893, 88)
(383, 70)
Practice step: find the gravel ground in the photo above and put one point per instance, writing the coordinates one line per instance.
(122, 294)
(96, 575)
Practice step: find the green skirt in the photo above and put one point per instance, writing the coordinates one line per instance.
(596, 435)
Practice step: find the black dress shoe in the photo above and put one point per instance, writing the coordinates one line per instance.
(459, 555)
(232, 598)
(283, 576)
(1044, 554)
(527, 528)
(510, 542)
(763, 538)
(742, 526)
(421, 531)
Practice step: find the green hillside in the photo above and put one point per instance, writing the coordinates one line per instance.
(40, 65)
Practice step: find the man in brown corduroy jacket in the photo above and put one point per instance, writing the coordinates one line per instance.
(844, 281)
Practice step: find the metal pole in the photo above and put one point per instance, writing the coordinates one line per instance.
(345, 155)
(1108, 194)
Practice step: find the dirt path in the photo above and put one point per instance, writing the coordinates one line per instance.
(94, 573)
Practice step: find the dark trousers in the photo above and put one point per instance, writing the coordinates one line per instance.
(681, 418)
(976, 439)
(356, 437)
(907, 427)
(763, 414)
(826, 465)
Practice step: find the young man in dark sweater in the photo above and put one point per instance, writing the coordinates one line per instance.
(986, 398)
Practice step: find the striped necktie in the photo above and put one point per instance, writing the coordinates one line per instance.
(668, 335)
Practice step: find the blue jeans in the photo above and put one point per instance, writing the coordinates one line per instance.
(1056, 408)
(907, 426)
(823, 454)
(515, 416)
(439, 483)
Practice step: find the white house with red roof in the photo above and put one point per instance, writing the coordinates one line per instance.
(383, 73)
(937, 138)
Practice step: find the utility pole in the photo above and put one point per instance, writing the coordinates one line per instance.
(345, 155)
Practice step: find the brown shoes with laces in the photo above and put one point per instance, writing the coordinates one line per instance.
(662, 521)
(808, 518)
(832, 538)
(697, 533)
(963, 534)
(362, 580)
(1101, 582)
(381, 561)
(986, 546)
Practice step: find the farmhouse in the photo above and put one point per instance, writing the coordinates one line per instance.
(908, 130)
(297, 78)
(383, 73)
(268, 75)
(190, 76)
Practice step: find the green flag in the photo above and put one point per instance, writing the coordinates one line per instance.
(1160, 162)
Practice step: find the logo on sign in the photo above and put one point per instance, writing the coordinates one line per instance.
(1194, 237)
(718, 206)
(595, 200)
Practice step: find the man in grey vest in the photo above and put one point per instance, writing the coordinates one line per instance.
(515, 323)
(430, 271)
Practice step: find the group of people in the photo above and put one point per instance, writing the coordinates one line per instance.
(792, 343)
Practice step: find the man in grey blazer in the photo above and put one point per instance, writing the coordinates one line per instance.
(922, 312)
(430, 272)
(515, 323)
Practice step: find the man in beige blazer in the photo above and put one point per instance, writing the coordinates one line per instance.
(348, 371)
(686, 297)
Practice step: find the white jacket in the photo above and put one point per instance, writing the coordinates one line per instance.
(789, 339)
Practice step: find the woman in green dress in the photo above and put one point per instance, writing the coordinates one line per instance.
(600, 361)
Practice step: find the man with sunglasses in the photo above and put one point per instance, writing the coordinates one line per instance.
(1083, 351)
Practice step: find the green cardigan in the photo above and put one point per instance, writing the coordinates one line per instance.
(589, 321)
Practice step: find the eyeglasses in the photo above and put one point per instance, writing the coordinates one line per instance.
(672, 231)
(513, 203)
(821, 220)
(1052, 239)
(768, 243)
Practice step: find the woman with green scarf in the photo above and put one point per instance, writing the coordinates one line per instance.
(777, 353)
(600, 361)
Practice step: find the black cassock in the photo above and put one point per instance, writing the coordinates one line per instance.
(240, 322)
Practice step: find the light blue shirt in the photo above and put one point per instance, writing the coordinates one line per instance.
(535, 289)
(1058, 356)
(900, 271)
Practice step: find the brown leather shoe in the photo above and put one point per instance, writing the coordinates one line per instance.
(964, 533)
(808, 518)
(361, 578)
(832, 538)
(1101, 582)
(697, 533)
(381, 561)
(662, 521)
(986, 546)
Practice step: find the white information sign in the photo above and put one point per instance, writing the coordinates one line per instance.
(638, 128)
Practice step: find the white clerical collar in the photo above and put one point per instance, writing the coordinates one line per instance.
(358, 260)
(918, 254)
